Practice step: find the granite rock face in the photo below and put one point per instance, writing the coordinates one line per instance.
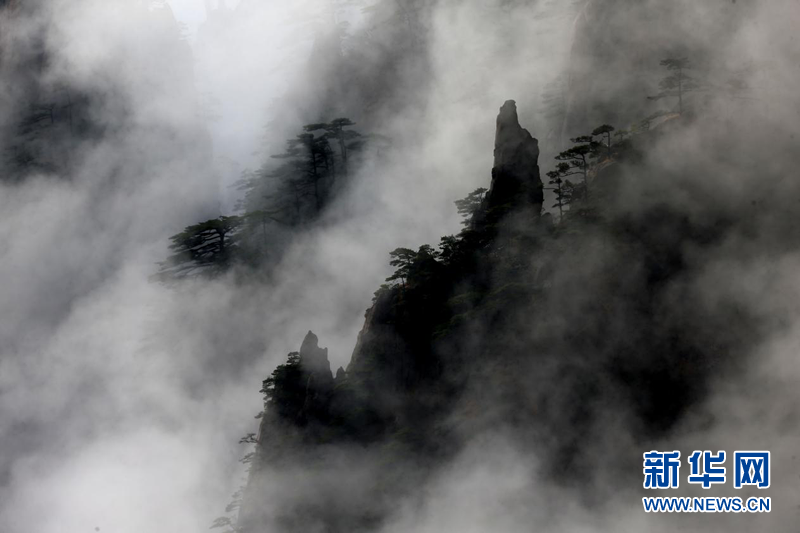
(409, 363)
(318, 379)
(314, 359)
(515, 176)
(381, 354)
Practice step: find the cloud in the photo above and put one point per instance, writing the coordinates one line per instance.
(122, 401)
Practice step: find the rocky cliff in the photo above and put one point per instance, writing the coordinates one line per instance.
(406, 368)
(546, 334)
(516, 182)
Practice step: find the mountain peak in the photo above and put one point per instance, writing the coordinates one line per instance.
(515, 176)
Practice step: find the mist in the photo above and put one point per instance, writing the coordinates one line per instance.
(122, 400)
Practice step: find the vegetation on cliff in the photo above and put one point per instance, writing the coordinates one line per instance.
(518, 321)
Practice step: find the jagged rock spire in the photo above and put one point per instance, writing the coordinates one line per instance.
(515, 176)
(314, 359)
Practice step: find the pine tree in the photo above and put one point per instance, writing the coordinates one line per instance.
(577, 159)
(605, 132)
(403, 259)
(678, 83)
(204, 248)
(335, 130)
(562, 187)
(469, 205)
(316, 152)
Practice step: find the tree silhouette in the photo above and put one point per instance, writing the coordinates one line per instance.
(289, 190)
(335, 130)
(622, 135)
(403, 259)
(469, 205)
(577, 158)
(300, 186)
(284, 391)
(449, 249)
(316, 152)
(605, 132)
(562, 187)
(202, 248)
(677, 83)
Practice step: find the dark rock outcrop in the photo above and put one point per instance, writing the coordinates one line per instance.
(515, 176)
(382, 361)
(318, 378)
(378, 333)
(314, 359)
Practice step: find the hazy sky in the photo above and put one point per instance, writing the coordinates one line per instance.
(193, 12)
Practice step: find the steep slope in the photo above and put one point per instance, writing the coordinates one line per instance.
(570, 340)
(606, 86)
(394, 395)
